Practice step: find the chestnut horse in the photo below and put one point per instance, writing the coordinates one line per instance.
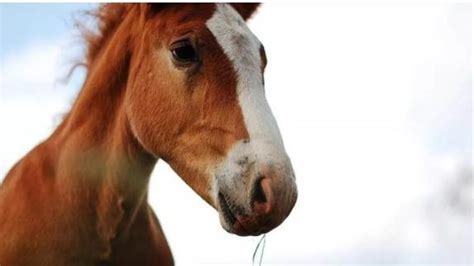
(177, 82)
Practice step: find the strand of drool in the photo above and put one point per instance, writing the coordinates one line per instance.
(262, 244)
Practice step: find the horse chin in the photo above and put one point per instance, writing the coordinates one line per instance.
(244, 226)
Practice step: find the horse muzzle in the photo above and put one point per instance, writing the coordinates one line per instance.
(266, 204)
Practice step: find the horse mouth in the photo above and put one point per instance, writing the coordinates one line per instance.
(237, 222)
(229, 210)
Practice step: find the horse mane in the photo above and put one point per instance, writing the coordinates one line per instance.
(96, 28)
(107, 17)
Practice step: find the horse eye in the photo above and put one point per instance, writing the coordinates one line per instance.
(184, 52)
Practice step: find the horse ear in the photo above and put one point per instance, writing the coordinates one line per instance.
(152, 9)
(156, 7)
(245, 9)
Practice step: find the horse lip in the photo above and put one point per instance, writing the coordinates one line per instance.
(231, 218)
(240, 223)
(228, 215)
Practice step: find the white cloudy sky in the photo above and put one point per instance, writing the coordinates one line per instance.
(375, 106)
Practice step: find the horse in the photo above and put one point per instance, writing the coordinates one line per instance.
(178, 82)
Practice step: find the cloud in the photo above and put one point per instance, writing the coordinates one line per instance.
(34, 68)
(38, 69)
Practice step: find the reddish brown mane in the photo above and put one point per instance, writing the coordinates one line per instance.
(108, 17)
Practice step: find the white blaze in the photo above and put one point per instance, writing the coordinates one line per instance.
(265, 149)
(243, 50)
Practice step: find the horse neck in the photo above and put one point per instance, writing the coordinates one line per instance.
(99, 151)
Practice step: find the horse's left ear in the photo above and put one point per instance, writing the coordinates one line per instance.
(151, 9)
(245, 9)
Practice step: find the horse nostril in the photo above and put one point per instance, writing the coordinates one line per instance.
(262, 196)
(258, 193)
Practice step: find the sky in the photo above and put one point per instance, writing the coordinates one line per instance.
(374, 103)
